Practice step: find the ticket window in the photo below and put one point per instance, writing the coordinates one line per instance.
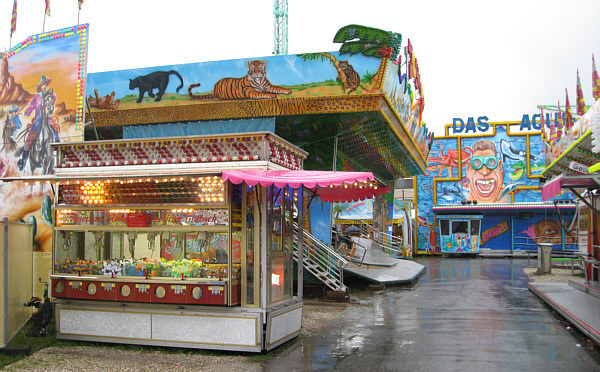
(475, 227)
(460, 234)
(460, 227)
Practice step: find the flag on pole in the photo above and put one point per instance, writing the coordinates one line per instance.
(553, 136)
(13, 22)
(580, 100)
(542, 125)
(79, 3)
(595, 80)
(48, 8)
(559, 123)
(568, 115)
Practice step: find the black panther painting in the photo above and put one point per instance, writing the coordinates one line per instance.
(155, 80)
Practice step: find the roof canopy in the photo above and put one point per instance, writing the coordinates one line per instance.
(329, 186)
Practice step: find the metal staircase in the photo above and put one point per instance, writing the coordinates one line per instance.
(389, 244)
(321, 261)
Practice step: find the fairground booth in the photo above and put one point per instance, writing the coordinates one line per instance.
(482, 192)
(573, 168)
(171, 209)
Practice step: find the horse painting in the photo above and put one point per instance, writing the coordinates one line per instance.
(39, 134)
(10, 127)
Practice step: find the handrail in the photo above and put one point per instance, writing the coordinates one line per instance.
(321, 260)
(387, 242)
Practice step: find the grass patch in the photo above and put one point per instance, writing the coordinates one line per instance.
(36, 343)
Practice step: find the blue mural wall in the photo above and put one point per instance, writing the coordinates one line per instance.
(501, 165)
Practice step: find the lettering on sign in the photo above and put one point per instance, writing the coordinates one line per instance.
(578, 167)
(527, 125)
(470, 127)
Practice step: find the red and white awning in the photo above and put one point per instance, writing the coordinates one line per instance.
(329, 186)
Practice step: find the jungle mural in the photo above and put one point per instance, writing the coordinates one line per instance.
(368, 62)
(290, 76)
(501, 166)
(42, 85)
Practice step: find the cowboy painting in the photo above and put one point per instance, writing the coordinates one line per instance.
(42, 108)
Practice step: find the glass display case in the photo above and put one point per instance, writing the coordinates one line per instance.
(123, 232)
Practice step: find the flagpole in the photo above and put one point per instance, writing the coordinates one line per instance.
(44, 25)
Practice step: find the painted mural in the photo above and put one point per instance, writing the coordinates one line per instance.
(500, 165)
(368, 59)
(403, 87)
(42, 85)
(362, 210)
(290, 76)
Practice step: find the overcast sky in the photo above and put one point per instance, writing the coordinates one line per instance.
(477, 58)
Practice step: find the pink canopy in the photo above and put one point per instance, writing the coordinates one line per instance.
(329, 186)
(552, 188)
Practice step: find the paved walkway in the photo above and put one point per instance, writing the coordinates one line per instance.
(463, 314)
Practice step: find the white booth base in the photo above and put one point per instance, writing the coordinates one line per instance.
(217, 328)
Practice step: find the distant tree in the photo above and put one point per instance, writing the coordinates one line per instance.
(326, 57)
(371, 42)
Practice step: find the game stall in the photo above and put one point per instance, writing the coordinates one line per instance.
(573, 160)
(185, 242)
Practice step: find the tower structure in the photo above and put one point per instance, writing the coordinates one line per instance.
(281, 27)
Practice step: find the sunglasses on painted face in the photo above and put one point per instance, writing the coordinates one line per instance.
(489, 161)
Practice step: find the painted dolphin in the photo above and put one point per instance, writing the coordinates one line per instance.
(507, 189)
(508, 151)
(450, 194)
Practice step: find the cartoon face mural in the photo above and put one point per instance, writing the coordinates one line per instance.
(501, 165)
(484, 173)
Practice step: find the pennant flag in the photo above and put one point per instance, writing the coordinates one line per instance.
(595, 80)
(80, 3)
(542, 125)
(13, 22)
(48, 7)
(580, 101)
(559, 123)
(568, 115)
(553, 136)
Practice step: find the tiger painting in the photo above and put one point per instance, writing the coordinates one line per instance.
(252, 86)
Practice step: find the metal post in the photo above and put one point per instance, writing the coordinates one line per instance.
(512, 233)
(331, 222)
(264, 249)
(5, 278)
(300, 242)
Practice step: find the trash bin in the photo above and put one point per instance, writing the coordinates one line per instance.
(544, 256)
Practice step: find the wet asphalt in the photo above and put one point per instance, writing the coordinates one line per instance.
(461, 315)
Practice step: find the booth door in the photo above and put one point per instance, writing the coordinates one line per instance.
(280, 219)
